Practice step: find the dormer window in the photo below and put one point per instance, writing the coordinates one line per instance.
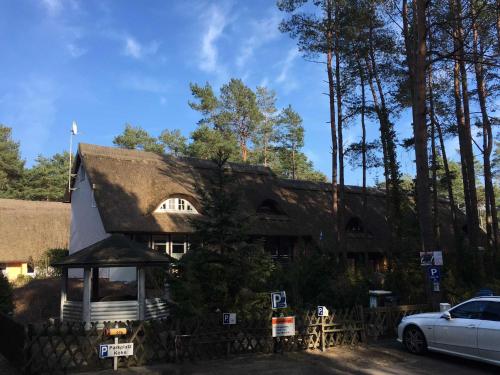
(177, 205)
(354, 225)
(269, 207)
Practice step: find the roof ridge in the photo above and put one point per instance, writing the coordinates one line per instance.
(132, 154)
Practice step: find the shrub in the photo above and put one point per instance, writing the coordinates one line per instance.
(42, 265)
(6, 304)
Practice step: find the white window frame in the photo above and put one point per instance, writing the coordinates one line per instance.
(180, 205)
(167, 240)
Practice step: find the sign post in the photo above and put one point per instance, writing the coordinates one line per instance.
(116, 350)
(432, 261)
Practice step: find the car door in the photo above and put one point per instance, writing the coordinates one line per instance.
(459, 334)
(488, 334)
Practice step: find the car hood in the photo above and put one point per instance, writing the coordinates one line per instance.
(432, 315)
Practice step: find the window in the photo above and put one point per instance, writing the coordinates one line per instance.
(354, 225)
(176, 205)
(160, 244)
(269, 207)
(179, 244)
(492, 312)
(30, 267)
(469, 310)
(280, 248)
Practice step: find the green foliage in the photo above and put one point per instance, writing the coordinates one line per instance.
(206, 143)
(43, 264)
(135, 137)
(47, 179)
(174, 142)
(223, 271)
(6, 303)
(11, 164)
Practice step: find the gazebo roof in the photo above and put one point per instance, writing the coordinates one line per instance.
(114, 251)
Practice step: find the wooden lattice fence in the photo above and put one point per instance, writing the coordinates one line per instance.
(383, 321)
(60, 347)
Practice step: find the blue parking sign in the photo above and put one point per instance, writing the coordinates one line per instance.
(435, 274)
(278, 300)
(103, 351)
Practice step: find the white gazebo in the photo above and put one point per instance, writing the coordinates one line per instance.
(114, 251)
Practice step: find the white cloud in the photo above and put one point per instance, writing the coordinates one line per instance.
(53, 7)
(287, 64)
(217, 21)
(136, 50)
(144, 83)
(75, 51)
(263, 31)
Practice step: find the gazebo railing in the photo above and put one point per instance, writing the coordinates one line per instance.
(155, 308)
(113, 310)
(72, 311)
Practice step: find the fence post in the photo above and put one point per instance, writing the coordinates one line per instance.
(322, 333)
(361, 313)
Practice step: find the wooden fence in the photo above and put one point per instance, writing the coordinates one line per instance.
(61, 347)
(384, 321)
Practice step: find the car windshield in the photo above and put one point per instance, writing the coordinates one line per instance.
(469, 310)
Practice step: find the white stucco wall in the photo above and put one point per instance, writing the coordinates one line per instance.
(87, 228)
(86, 223)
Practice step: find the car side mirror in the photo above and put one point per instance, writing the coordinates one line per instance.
(446, 315)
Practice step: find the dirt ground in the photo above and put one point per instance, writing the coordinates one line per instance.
(386, 357)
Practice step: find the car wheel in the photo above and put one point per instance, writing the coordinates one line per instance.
(414, 340)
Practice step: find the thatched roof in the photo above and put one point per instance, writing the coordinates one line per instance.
(29, 228)
(129, 185)
(114, 251)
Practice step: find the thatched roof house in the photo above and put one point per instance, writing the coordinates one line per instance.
(28, 229)
(130, 191)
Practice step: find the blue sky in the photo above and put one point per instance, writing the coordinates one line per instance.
(105, 63)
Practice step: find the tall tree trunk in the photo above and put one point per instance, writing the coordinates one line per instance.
(420, 130)
(449, 186)
(341, 197)
(437, 231)
(434, 161)
(378, 111)
(363, 137)
(472, 215)
(331, 95)
(491, 212)
(294, 167)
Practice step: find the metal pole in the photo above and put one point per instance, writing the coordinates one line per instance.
(115, 358)
(70, 156)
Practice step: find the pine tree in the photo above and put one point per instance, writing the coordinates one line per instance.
(223, 270)
(11, 164)
(47, 179)
(135, 137)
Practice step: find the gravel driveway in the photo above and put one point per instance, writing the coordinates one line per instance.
(386, 357)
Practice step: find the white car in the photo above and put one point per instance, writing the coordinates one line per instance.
(470, 330)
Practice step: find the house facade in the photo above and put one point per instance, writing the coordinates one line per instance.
(28, 229)
(151, 198)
